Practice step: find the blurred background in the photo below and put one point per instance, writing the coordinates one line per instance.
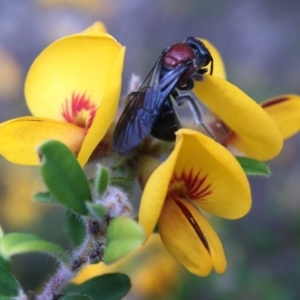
(259, 42)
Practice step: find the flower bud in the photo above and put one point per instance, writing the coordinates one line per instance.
(116, 201)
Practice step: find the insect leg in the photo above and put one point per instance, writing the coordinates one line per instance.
(195, 110)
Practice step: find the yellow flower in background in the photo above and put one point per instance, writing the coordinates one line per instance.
(285, 111)
(156, 273)
(198, 174)
(87, 5)
(17, 211)
(72, 89)
(238, 122)
(10, 76)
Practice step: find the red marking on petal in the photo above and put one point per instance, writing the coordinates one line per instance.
(274, 101)
(79, 110)
(195, 186)
(193, 222)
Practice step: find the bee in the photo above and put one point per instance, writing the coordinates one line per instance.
(150, 111)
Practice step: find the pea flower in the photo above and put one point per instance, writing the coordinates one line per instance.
(72, 89)
(285, 111)
(236, 120)
(198, 174)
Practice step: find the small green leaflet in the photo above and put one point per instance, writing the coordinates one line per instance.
(123, 236)
(101, 180)
(97, 209)
(18, 243)
(112, 286)
(64, 176)
(46, 197)
(253, 167)
(9, 286)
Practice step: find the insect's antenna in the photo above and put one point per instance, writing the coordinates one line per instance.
(211, 66)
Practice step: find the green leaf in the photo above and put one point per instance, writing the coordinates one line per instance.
(97, 209)
(76, 228)
(17, 243)
(253, 167)
(101, 180)
(46, 197)
(64, 177)
(9, 286)
(5, 263)
(123, 235)
(1, 233)
(122, 182)
(112, 286)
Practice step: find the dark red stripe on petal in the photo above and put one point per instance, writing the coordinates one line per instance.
(79, 110)
(274, 101)
(195, 184)
(193, 223)
(205, 191)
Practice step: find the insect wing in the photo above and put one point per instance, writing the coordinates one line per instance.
(144, 107)
(138, 116)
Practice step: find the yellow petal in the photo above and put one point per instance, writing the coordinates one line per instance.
(157, 273)
(92, 271)
(217, 183)
(155, 193)
(82, 66)
(107, 107)
(219, 68)
(189, 238)
(20, 137)
(285, 111)
(254, 133)
(96, 28)
(231, 196)
(79, 64)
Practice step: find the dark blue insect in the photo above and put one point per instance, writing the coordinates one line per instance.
(150, 109)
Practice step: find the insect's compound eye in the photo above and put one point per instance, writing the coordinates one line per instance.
(202, 55)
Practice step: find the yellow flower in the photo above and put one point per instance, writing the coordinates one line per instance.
(72, 89)
(158, 273)
(238, 122)
(285, 111)
(15, 198)
(199, 173)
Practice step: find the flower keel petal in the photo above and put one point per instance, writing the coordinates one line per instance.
(190, 239)
(254, 132)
